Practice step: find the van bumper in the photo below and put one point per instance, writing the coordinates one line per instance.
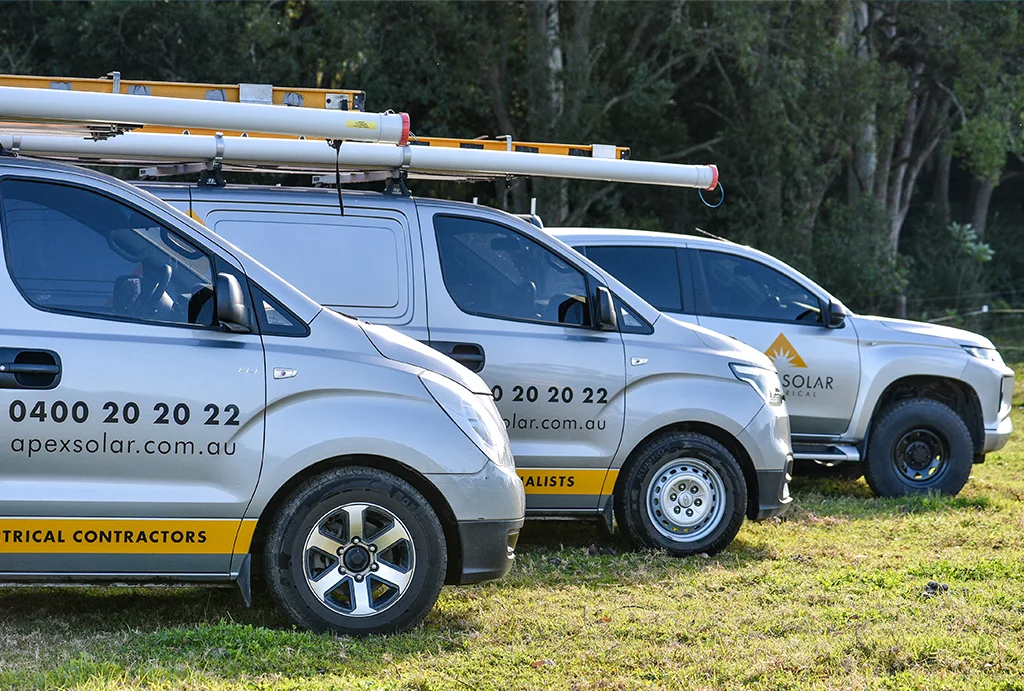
(488, 549)
(773, 491)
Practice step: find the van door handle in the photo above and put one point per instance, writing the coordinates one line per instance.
(29, 369)
(470, 355)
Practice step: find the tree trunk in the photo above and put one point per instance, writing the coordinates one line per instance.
(546, 91)
(940, 191)
(980, 200)
(864, 161)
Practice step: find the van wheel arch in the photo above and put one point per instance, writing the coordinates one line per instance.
(722, 437)
(955, 393)
(438, 503)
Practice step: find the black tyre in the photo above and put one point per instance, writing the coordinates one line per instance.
(918, 446)
(356, 551)
(844, 471)
(682, 492)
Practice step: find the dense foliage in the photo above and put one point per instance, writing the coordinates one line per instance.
(875, 145)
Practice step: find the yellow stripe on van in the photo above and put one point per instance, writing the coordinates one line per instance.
(124, 535)
(195, 217)
(567, 480)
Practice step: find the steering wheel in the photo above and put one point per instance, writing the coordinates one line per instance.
(769, 305)
(154, 286)
(522, 301)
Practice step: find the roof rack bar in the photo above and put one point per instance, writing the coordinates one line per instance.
(311, 156)
(29, 104)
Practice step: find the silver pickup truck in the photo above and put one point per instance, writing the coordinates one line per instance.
(919, 403)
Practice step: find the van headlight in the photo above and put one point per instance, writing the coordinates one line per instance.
(990, 354)
(476, 416)
(765, 382)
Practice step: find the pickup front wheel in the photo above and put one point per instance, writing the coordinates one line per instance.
(684, 493)
(919, 446)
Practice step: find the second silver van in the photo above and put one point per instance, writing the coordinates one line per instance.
(611, 406)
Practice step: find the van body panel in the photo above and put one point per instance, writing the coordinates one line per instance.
(574, 405)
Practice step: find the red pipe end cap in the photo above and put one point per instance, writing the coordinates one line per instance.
(714, 177)
(405, 133)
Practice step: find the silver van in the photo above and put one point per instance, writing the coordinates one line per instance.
(171, 410)
(918, 402)
(611, 406)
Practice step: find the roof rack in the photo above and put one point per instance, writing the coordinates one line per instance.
(183, 131)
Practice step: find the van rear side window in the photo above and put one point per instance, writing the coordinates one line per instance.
(73, 250)
(356, 263)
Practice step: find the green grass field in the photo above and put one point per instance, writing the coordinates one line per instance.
(833, 596)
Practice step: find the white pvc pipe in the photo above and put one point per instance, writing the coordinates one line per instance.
(81, 106)
(317, 156)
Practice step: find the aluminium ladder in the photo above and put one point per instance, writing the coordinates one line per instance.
(369, 139)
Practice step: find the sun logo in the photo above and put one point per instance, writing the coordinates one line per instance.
(782, 352)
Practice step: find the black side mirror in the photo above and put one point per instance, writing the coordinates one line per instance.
(232, 313)
(607, 320)
(835, 315)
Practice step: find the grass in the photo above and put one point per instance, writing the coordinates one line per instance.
(833, 596)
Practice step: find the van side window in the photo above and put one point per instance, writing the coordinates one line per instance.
(274, 318)
(651, 272)
(75, 251)
(493, 271)
(743, 288)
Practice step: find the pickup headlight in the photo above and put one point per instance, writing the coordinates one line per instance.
(990, 354)
(476, 416)
(765, 382)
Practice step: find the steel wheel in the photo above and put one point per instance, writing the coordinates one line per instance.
(686, 500)
(920, 456)
(359, 559)
(918, 446)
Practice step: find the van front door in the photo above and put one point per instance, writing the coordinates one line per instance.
(756, 304)
(132, 430)
(521, 314)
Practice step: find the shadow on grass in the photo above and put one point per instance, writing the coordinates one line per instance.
(852, 499)
(141, 631)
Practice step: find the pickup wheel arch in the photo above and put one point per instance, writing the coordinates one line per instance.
(955, 393)
(444, 512)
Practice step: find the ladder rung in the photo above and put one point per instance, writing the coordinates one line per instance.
(330, 99)
(506, 144)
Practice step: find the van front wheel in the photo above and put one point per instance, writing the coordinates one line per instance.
(683, 492)
(356, 551)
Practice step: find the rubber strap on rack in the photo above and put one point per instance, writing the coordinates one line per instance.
(336, 145)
